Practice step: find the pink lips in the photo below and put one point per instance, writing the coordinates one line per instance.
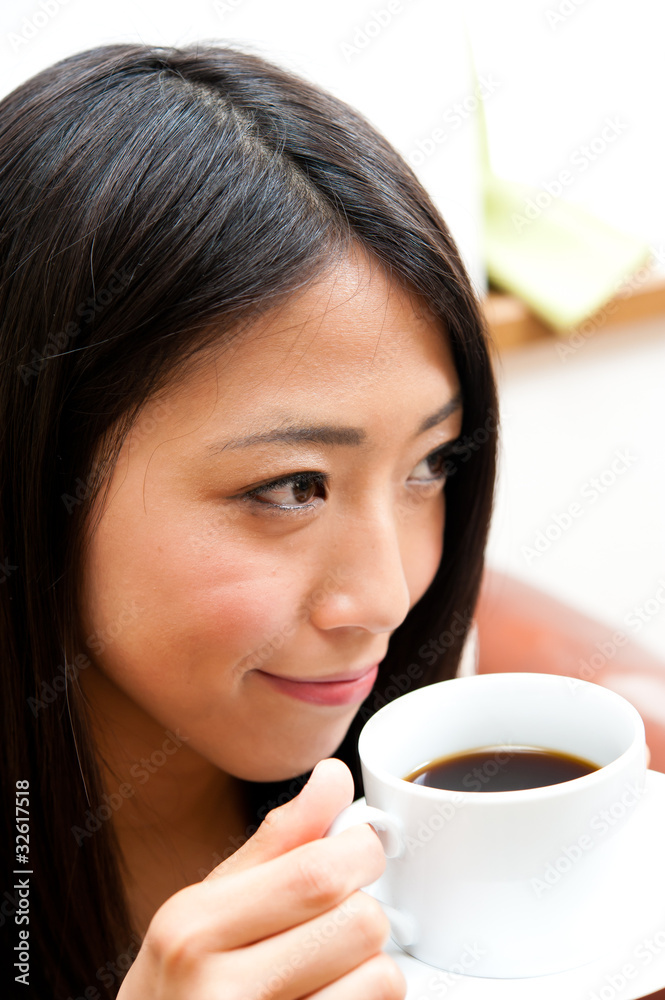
(327, 691)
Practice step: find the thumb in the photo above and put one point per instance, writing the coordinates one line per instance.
(306, 817)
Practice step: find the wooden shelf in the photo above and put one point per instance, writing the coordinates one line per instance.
(512, 323)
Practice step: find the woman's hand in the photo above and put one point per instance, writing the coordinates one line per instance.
(284, 918)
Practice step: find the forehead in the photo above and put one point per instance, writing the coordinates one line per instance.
(350, 333)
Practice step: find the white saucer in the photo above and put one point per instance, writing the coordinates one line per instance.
(626, 973)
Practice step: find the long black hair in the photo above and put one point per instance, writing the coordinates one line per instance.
(152, 201)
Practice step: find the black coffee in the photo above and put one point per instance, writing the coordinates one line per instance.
(500, 769)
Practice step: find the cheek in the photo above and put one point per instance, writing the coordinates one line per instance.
(207, 619)
(424, 545)
(200, 600)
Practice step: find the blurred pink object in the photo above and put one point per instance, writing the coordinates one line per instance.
(521, 628)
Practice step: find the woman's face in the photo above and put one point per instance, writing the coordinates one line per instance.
(208, 586)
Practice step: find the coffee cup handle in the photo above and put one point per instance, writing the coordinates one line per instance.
(402, 925)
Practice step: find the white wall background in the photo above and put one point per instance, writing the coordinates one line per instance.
(558, 69)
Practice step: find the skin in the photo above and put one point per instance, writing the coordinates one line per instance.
(220, 588)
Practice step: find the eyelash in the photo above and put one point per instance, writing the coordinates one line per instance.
(321, 479)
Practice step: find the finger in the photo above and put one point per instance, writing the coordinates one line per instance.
(379, 976)
(648, 756)
(273, 897)
(306, 817)
(314, 954)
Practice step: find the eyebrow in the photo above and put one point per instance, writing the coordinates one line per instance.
(328, 434)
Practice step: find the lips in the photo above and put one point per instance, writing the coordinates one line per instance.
(336, 689)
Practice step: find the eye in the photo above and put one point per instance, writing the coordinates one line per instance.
(434, 466)
(303, 490)
(290, 493)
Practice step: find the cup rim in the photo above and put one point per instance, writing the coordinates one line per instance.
(604, 773)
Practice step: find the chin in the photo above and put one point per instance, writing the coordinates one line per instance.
(284, 764)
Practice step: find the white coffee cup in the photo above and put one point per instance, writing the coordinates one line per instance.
(527, 882)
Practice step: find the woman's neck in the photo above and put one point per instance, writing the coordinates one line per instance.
(162, 855)
(175, 815)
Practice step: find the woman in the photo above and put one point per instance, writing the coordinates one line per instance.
(241, 360)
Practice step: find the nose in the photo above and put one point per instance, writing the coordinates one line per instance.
(362, 583)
